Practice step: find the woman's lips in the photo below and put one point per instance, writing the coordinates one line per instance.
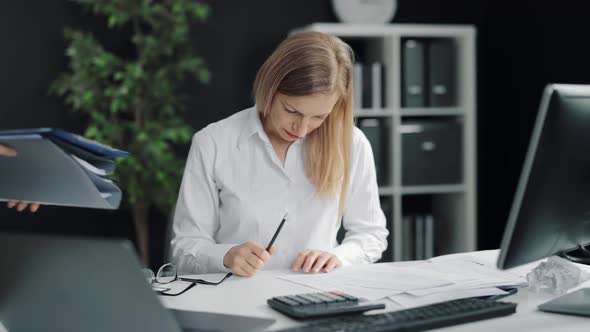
(291, 135)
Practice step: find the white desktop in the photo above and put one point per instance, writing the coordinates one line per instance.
(248, 296)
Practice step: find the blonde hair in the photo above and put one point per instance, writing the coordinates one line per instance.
(310, 63)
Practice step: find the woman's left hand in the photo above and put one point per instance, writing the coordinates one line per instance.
(20, 206)
(314, 261)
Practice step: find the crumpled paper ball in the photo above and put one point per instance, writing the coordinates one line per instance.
(556, 275)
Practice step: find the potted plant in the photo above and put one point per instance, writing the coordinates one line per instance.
(134, 102)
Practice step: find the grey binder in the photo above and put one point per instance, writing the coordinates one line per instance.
(441, 64)
(375, 133)
(377, 84)
(413, 94)
(55, 172)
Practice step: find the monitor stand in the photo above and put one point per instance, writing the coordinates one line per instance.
(580, 255)
(574, 303)
(577, 302)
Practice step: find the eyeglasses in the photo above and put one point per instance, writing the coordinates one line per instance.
(162, 281)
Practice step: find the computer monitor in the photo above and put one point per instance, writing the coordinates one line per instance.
(551, 209)
(53, 283)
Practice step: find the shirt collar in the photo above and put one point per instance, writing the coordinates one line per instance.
(253, 125)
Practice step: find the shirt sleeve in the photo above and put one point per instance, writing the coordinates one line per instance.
(364, 221)
(196, 218)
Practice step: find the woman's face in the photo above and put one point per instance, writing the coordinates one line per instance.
(292, 118)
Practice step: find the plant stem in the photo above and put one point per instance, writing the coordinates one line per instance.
(140, 218)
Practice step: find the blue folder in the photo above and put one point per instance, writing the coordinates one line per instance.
(55, 167)
(76, 140)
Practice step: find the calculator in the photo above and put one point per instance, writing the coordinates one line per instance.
(323, 304)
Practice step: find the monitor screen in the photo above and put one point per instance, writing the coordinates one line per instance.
(551, 208)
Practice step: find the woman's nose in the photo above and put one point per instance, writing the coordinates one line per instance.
(301, 127)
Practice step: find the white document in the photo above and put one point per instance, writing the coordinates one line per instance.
(409, 301)
(372, 281)
(435, 279)
(89, 166)
(465, 273)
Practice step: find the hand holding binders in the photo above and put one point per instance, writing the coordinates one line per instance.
(55, 167)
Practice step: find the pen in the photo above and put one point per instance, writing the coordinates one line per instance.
(274, 237)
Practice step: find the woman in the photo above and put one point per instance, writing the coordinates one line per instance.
(296, 152)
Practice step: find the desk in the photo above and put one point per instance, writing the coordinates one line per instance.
(247, 296)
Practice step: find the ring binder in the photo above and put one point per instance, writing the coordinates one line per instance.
(55, 167)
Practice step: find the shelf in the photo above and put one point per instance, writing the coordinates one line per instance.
(422, 190)
(350, 30)
(379, 30)
(373, 113)
(432, 111)
(386, 191)
(432, 189)
(453, 202)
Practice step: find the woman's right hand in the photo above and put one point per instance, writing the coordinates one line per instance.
(7, 151)
(246, 259)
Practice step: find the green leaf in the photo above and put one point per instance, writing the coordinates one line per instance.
(201, 11)
(91, 131)
(204, 75)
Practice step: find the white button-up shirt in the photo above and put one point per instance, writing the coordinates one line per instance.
(235, 189)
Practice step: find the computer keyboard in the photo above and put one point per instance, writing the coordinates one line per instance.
(415, 319)
(311, 305)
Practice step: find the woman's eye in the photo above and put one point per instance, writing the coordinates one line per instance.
(289, 111)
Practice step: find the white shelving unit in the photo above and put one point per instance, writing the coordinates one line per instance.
(452, 205)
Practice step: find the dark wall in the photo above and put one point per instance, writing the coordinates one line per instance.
(521, 47)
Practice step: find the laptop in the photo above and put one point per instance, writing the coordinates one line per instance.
(62, 284)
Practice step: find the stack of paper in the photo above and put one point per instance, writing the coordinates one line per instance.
(415, 283)
(55, 167)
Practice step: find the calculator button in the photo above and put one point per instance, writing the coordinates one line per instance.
(285, 300)
(346, 296)
(311, 298)
(324, 297)
(335, 298)
(299, 299)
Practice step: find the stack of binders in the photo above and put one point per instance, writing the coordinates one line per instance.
(55, 167)
(369, 86)
(369, 94)
(418, 234)
(428, 72)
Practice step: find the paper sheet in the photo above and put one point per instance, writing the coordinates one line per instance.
(372, 281)
(466, 273)
(89, 166)
(409, 301)
(449, 277)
